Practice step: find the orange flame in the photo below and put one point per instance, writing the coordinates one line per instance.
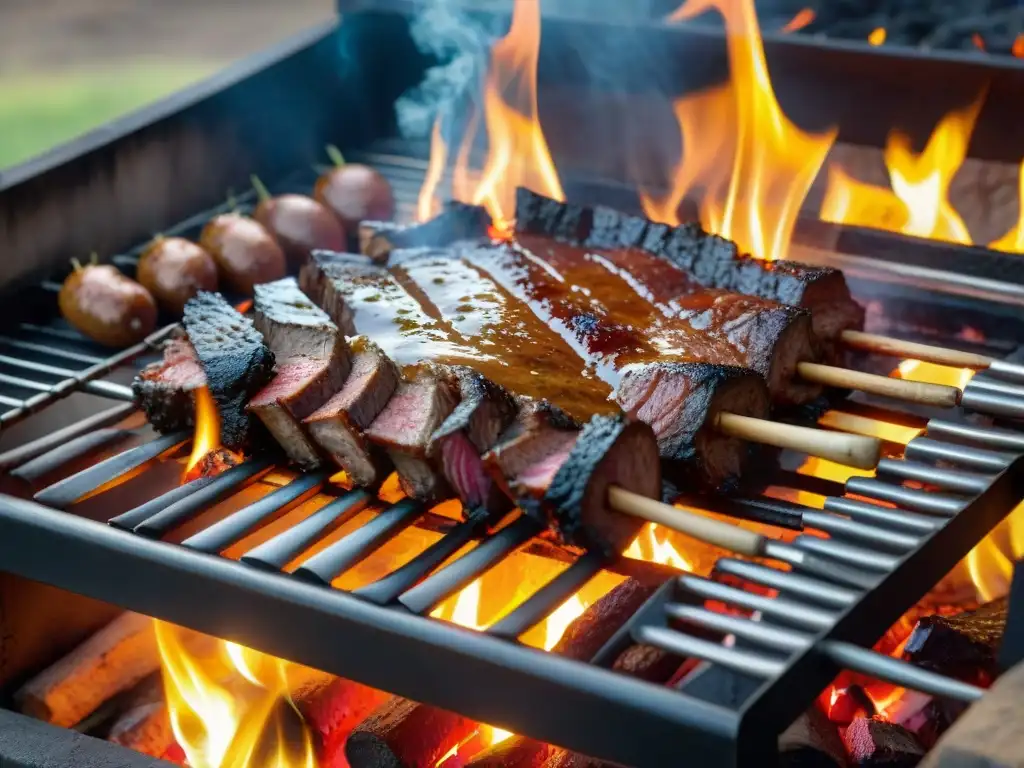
(877, 36)
(518, 153)
(226, 711)
(1017, 49)
(803, 17)
(1013, 241)
(207, 437)
(755, 201)
(427, 205)
(652, 544)
(918, 203)
(979, 41)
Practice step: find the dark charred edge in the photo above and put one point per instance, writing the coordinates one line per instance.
(540, 215)
(236, 361)
(540, 410)
(480, 400)
(167, 409)
(964, 646)
(315, 279)
(458, 221)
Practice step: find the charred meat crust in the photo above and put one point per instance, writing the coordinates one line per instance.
(164, 390)
(610, 450)
(680, 402)
(236, 361)
(484, 411)
(458, 221)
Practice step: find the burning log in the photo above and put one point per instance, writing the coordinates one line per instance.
(963, 646)
(409, 735)
(111, 661)
(873, 743)
(145, 724)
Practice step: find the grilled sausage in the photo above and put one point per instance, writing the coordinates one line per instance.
(246, 254)
(174, 269)
(106, 306)
(355, 193)
(300, 225)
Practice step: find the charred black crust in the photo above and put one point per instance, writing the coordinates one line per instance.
(563, 501)
(475, 389)
(236, 361)
(458, 221)
(168, 409)
(539, 215)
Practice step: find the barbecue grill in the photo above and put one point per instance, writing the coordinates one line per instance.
(99, 530)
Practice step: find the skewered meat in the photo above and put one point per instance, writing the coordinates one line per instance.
(246, 254)
(712, 261)
(236, 361)
(458, 221)
(338, 425)
(165, 390)
(106, 306)
(313, 362)
(174, 269)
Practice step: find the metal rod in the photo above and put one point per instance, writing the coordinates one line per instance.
(926, 449)
(325, 566)
(882, 516)
(996, 438)
(20, 383)
(109, 390)
(541, 603)
(846, 553)
(898, 672)
(385, 590)
(982, 383)
(238, 525)
(845, 528)
(17, 456)
(1007, 370)
(274, 554)
(993, 404)
(101, 388)
(780, 608)
(126, 521)
(948, 479)
(918, 501)
(44, 349)
(57, 333)
(827, 568)
(815, 590)
(686, 646)
(193, 505)
(11, 401)
(767, 635)
(69, 490)
(781, 514)
(76, 448)
(456, 575)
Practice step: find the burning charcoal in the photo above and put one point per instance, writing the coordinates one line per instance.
(458, 221)
(849, 703)
(962, 646)
(811, 742)
(874, 743)
(213, 463)
(145, 724)
(927, 717)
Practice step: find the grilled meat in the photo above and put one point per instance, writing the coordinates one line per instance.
(313, 362)
(234, 358)
(164, 390)
(681, 402)
(338, 425)
(458, 221)
(711, 260)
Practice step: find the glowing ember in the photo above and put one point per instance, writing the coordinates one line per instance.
(801, 20)
(918, 203)
(231, 709)
(755, 201)
(877, 36)
(1017, 49)
(929, 373)
(652, 544)
(517, 150)
(208, 457)
(979, 41)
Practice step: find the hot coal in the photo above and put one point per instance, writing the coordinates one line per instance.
(164, 390)
(811, 741)
(964, 646)
(874, 743)
(458, 221)
(235, 359)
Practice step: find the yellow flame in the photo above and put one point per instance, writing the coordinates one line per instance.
(427, 205)
(652, 544)
(518, 153)
(930, 373)
(226, 711)
(773, 163)
(877, 36)
(207, 436)
(1013, 241)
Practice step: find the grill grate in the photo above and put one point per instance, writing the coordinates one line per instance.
(379, 633)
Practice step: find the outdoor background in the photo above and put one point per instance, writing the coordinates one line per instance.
(67, 66)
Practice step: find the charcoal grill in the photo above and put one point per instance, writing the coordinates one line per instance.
(729, 712)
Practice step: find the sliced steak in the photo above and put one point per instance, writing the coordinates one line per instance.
(416, 410)
(338, 425)
(165, 390)
(236, 361)
(313, 362)
(458, 221)
(681, 402)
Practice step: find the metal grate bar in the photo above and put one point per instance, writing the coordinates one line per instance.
(69, 490)
(55, 440)
(453, 577)
(128, 520)
(842, 552)
(238, 525)
(948, 479)
(324, 567)
(687, 645)
(927, 449)
(277, 552)
(759, 633)
(844, 528)
(814, 590)
(781, 608)
(193, 505)
(882, 516)
(918, 501)
(11, 402)
(84, 445)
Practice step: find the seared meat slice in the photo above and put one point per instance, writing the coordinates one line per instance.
(484, 411)
(416, 410)
(338, 425)
(681, 402)
(313, 362)
(234, 358)
(458, 221)
(317, 277)
(164, 390)
(569, 490)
